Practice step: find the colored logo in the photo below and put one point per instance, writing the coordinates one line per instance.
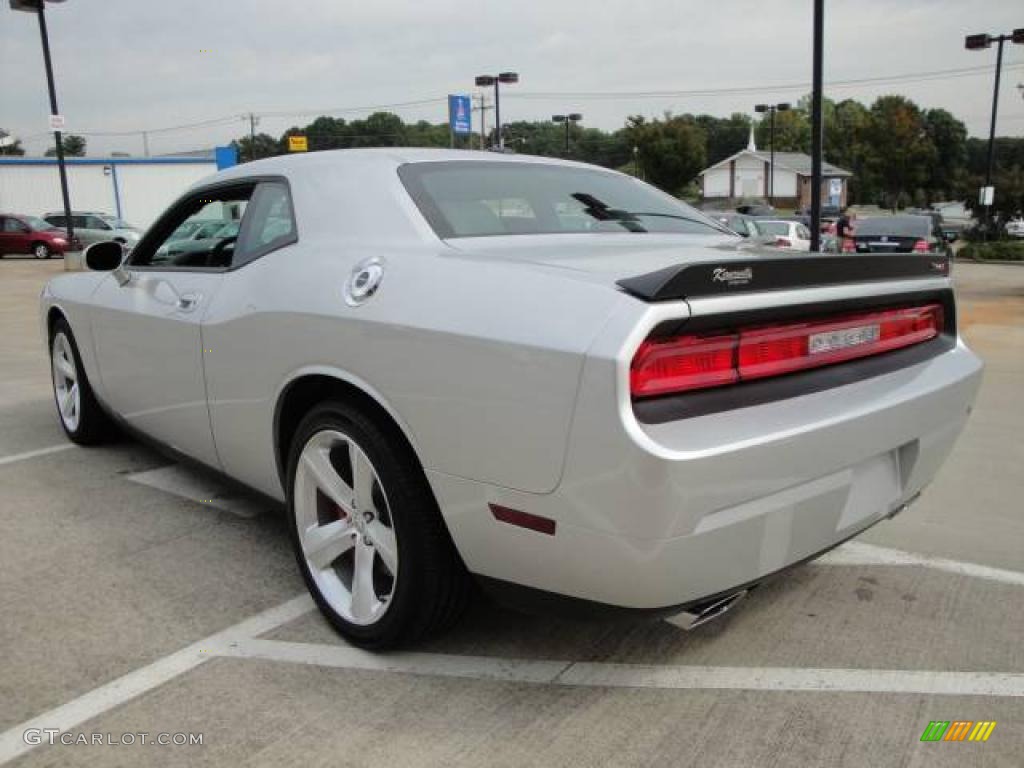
(958, 730)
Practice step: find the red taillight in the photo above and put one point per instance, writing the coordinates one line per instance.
(848, 245)
(685, 363)
(921, 246)
(783, 242)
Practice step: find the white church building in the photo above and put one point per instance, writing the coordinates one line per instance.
(746, 176)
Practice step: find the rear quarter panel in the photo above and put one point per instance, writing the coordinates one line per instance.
(479, 361)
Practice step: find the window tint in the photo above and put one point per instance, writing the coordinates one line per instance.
(220, 214)
(94, 222)
(473, 199)
(269, 223)
(13, 225)
(60, 222)
(80, 222)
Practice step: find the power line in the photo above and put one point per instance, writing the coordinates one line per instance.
(942, 74)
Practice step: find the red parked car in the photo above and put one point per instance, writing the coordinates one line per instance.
(30, 234)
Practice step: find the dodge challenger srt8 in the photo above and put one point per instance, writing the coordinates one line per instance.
(543, 376)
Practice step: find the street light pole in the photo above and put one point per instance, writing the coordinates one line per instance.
(771, 109)
(975, 43)
(37, 6)
(483, 81)
(816, 123)
(572, 117)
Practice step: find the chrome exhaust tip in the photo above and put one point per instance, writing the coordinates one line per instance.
(703, 613)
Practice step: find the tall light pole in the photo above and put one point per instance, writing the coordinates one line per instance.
(817, 89)
(977, 43)
(572, 117)
(483, 81)
(771, 109)
(37, 7)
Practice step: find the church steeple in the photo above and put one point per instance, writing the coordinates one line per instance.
(751, 145)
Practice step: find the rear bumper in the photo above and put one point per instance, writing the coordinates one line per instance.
(657, 516)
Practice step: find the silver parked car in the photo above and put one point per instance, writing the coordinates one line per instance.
(92, 227)
(543, 375)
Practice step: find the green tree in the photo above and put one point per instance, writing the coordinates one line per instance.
(265, 145)
(10, 147)
(725, 135)
(74, 146)
(902, 151)
(948, 171)
(792, 131)
(672, 151)
(847, 145)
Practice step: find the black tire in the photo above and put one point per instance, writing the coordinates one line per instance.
(432, 586)
(94, 425)
(41, 251)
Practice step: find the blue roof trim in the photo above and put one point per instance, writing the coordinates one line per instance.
(5, 160)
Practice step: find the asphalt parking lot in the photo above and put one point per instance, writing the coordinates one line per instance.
(142, 597)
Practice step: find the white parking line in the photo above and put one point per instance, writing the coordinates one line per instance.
(116, 692)
(32, 454)
(857, 553)
(242, 641)
(610, 675)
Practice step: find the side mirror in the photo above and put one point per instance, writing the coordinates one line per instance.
(104, 257)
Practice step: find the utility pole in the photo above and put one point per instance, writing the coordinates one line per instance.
(482, 109)
(145, 143)
(253, 121)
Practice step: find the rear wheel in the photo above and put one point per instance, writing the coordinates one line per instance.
(80, 415)
(41, 251)
(367, 533)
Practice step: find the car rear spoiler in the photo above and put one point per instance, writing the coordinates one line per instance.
(690, 281)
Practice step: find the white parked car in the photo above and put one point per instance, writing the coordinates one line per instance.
(1015, 227)
(791, 235)
(543, 375)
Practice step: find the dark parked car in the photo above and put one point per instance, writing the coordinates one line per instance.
(896, 234)
(29, 234)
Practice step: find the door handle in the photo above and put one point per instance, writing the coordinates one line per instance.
(189, 302)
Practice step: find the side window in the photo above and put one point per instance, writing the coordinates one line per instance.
(269, 223)
(11, 225)
(60, 222)
(81, 222)
(803, 232)
(220, 214)
(95, 222)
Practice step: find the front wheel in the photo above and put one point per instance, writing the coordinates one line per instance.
(82, 418)
(367, 532)
(41, 251)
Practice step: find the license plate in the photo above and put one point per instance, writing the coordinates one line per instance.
(830, 341)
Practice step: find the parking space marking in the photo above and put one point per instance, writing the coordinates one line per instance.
(200, 487)
(127, 687)
(611, 675)
(32, 454)
(857, 553)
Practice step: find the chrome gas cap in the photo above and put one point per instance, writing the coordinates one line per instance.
(364, 281)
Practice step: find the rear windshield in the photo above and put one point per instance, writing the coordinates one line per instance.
(480, 199)
(773, 227)
(897, 226)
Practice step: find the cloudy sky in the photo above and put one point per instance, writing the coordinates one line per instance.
(133, 65)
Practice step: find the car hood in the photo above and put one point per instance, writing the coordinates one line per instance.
(606, 258)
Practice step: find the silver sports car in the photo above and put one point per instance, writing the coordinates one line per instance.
(540, 376)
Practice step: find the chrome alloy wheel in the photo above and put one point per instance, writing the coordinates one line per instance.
(41, 251)
(65, 382)
(345, 527)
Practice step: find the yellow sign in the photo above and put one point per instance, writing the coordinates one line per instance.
(298, 144)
